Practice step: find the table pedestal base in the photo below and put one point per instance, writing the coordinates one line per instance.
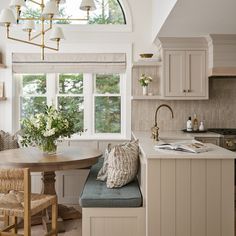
(64, 212)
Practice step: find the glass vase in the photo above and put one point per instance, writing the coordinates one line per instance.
(49, 146)
(145, 90)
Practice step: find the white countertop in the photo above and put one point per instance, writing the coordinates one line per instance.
(147, 146)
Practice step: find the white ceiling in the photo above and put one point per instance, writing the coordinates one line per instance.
(190, 18)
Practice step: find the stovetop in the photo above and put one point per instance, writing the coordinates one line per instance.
(223, 131)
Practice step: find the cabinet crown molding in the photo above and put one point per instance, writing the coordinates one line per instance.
(222, 55)
(183, 43)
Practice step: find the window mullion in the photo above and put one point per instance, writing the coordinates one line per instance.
(18, 82)
(88, 103)
(51, 89)
(123, 102)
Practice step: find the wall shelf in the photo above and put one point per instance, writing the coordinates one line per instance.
(142, 97)
(147, 62)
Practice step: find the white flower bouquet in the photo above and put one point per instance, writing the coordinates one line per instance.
(144, 80)
(45, 128)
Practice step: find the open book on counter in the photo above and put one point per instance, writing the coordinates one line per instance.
(192, 146)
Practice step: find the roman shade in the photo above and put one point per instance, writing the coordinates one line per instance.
(69, 63)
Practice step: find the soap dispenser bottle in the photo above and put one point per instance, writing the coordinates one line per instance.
(189, 124)
(195, 123)
(201, 127)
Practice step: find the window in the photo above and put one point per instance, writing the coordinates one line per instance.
(70, 95)
(107, 103)
(97, 98)
(33, 94)
(107, 12)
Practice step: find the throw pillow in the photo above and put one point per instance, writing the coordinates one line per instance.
(8, 141)
(102, 174)
(122, 164)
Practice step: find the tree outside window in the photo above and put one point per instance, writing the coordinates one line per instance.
(96, 95)
(107, 12)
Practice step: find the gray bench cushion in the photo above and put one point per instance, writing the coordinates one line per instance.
(96, 193)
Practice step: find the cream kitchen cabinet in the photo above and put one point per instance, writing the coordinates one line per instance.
(186, 194)
(184, 74)
(215, 141)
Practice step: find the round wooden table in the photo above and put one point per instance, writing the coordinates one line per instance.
(66, 158)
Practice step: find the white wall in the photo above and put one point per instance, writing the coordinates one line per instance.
(198, 18)
(160, 11)
(134, 39)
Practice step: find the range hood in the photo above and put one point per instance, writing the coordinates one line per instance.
(222, 55)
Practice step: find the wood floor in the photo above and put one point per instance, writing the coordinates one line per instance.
(73, 228)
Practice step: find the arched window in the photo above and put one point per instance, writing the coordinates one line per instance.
(107, 12)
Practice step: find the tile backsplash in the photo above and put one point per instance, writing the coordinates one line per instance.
(218, 112)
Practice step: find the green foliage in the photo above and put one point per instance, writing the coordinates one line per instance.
(32, 105)
(107, 115)
(31, 13)
(48, 126)
(34, 84)
(107, 83)
(36, 13)
(111, 13)
(144, 80)
(70, 99)
(62, 14)
(71, 83)
(107, 108)
(73, 105)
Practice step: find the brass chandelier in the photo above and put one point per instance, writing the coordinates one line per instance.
(48, 13)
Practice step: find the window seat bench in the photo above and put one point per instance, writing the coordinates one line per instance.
(107, 212)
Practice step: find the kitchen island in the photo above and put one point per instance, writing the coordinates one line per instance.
(186, 194)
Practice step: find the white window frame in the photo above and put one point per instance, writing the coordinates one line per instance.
(52, 93)
(123, 109)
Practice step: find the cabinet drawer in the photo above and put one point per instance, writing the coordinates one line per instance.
(215, 141)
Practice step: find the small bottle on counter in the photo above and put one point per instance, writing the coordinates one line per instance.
(189, 124)
(201, 127)
(195, 123)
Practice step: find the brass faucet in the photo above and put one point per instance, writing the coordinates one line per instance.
(154, 129)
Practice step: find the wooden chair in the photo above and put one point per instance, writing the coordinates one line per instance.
(16, 201)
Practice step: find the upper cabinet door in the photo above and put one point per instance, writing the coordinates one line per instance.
(175, 73)
(196, 77)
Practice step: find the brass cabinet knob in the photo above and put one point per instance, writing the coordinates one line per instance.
(184, 90)
(189, 90)
(229, 143)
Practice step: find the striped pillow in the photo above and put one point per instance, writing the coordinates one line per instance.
(102, 174)
(122, 164)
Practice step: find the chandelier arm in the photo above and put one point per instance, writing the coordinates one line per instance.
(53, 19)
(28, 18)
(31, 43)
(85, 19)
(37, 35)
(51, 48)
(24, 41)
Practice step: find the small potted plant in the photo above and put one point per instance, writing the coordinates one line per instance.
(144, 80)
